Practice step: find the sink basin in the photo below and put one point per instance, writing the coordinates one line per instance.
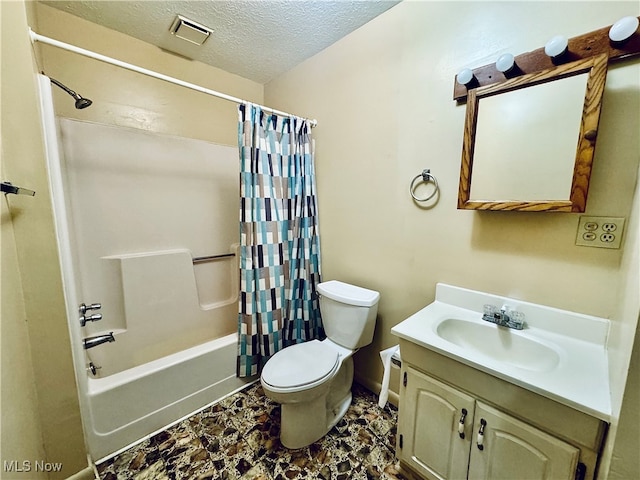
(499, 344)
(561, 355)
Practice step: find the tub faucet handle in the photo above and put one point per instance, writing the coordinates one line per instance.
(94, 306)
(90, 318)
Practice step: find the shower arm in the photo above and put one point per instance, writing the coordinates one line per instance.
(63, 87)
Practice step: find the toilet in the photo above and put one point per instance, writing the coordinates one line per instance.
(312, 380)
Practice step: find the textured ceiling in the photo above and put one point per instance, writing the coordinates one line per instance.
(258, 39)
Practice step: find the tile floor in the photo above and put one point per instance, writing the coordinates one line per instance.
(238, 438)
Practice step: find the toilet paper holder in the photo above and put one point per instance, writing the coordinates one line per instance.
(390, 359)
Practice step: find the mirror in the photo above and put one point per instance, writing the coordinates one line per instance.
(529, 141)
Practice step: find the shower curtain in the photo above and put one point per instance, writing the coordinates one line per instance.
(279, 240)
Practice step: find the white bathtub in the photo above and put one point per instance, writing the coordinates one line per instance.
(128, 406)
(157, 303)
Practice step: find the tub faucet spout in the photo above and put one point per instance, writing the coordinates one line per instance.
(91, 342)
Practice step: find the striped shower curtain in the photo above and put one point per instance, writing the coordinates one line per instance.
(279, 242)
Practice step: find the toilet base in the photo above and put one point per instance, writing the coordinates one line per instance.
(315, 426)
(318, 415)
(339, 410)
(294, 415)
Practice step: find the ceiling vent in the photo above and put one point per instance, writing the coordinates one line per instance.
(189, 30)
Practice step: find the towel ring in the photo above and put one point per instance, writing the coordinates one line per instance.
(426, 177)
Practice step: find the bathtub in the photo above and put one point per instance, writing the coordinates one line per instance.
(171, 317)
(128, 406)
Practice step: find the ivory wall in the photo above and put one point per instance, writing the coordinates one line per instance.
(383, 100)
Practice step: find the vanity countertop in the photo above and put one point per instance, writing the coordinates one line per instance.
(559, 354)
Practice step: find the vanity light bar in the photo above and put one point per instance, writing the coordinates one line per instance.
(581, 47)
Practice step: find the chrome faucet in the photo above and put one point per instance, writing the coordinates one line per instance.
(91, 342)
(505, 316)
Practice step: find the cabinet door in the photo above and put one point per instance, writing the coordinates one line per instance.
(430, 414)
(512, 449)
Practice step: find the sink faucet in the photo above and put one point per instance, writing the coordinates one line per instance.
(505, 316)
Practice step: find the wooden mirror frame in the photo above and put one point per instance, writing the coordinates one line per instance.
(596, 68)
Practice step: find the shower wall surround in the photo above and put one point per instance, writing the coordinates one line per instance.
(125, 240)
(140, 207)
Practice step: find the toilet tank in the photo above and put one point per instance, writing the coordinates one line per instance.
(348, 313)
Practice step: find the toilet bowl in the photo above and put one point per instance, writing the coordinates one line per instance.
(312, 380)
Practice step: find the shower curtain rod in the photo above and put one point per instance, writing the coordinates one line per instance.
(35, 37)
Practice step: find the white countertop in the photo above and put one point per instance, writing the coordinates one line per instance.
(579, 380)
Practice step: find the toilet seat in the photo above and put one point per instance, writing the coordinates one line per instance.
(300, 367)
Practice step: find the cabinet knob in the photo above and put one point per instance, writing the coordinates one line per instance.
(461, 423)
(480, 437)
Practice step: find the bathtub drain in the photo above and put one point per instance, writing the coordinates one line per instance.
(93, 369)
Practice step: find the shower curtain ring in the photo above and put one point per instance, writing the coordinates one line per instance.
(426, 178)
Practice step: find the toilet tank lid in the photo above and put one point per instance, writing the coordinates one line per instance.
(349, 294)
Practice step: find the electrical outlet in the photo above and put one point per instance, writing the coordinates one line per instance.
(603, 232)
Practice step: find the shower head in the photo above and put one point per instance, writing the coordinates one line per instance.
(81, 102)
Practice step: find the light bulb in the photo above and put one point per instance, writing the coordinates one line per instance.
(505, 62)
(623, 29)
(556, 46)
(465, 76)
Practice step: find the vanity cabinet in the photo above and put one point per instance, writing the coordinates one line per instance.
(448, 434)
(429, 415)
(456, 422)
